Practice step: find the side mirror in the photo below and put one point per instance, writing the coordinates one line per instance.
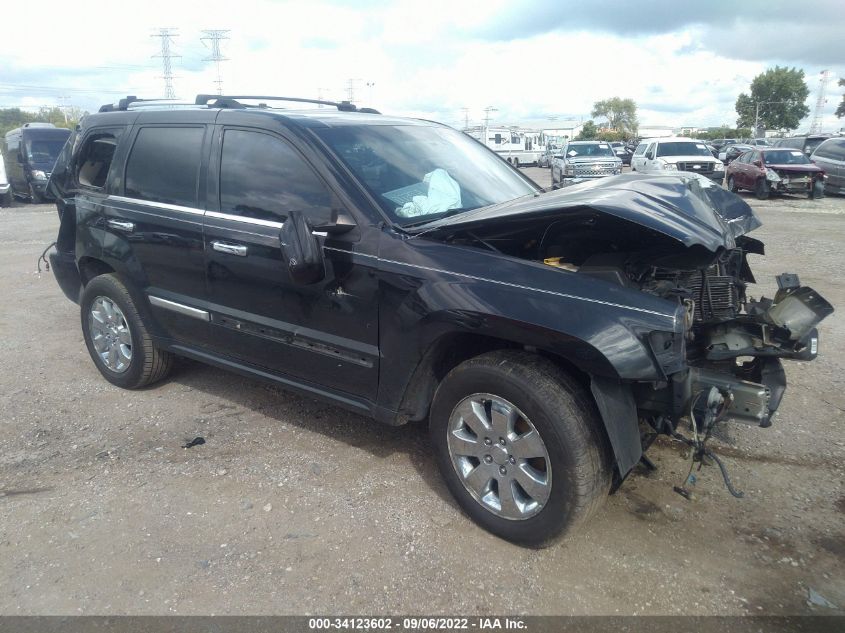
(339, 224)
(758, 163)
(301, 252)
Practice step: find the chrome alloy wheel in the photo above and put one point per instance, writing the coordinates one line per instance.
(110, 334)
(499, 456)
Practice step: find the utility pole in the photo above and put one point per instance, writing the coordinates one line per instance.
(818, 114)
(466, 118)
(166, 55)
(212, 40)
(487, 112)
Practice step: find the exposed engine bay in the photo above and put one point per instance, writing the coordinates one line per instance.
(724, 362)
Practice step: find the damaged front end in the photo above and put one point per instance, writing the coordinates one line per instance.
(682, 239)
(734, 343)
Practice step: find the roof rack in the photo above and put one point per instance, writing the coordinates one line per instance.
(228, 101)
(124, 104)
(231, 101)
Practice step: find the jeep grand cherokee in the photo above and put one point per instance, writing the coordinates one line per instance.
(400, 269)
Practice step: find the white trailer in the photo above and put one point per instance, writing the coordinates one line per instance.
(515, 145)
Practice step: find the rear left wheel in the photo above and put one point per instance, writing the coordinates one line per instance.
(519, 445)
(117, 338)
(762, 189)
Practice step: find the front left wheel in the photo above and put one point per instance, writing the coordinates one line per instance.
(520, 446)
(117, 338)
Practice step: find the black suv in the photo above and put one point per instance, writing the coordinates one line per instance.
(400, 269)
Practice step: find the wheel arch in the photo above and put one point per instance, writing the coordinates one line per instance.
(612, 398)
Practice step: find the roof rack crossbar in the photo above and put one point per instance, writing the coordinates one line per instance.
(124, 104)
(343, 106)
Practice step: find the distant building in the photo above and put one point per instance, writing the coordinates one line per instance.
(655, 131)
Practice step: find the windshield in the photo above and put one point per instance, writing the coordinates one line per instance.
(43, 151)
(786, 157)
(589, 149)
(418, 173)
(683, 148)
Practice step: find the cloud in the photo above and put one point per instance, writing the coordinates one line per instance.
(530, 61)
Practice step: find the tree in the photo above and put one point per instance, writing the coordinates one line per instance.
(588, 133)
(840, 111)
(621, 114)
(778, 95)
(10, 118)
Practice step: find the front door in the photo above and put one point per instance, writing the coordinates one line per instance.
(325, 333)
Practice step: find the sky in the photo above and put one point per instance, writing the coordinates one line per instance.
(544, 61)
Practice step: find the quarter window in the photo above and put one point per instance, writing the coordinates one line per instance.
(95, 159)
(640, 149)
(262, 177)
(164, 165)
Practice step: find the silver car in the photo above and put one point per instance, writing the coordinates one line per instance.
(585, 159)
(830, 156)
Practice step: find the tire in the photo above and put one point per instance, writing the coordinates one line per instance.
(816, 191)
(516, 162)
(7, 200)
(567, 485)
(136, 360)
(732, 185)
(34, 196)
(761, 189)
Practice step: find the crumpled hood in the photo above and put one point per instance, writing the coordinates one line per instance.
(687, 207)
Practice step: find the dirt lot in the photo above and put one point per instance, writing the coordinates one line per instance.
(292, 506)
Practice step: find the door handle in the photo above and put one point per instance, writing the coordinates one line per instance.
(120, 225)
(229, 249)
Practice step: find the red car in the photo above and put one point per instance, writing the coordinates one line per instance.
(775, 170)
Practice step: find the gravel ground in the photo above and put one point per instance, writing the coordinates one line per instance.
(293, 507)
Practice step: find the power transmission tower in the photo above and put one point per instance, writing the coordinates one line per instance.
(212, 39)
(818, 114)
(350, 89)
(166, 36)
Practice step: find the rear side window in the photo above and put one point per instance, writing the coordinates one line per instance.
(832, 149)
(262, 177)
(95, 158)
(164, 165)
(640, 149)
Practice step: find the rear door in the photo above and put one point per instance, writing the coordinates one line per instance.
(324, 333)
(154, 223)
